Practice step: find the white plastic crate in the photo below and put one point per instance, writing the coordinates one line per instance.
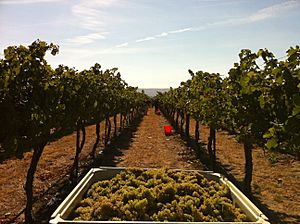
(63, 212)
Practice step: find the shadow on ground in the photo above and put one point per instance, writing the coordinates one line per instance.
(202, 153)
(110, 155)
(58, 192)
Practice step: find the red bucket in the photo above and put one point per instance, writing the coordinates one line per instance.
(168, 130)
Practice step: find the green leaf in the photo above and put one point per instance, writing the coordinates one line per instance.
(279, 79)
(271, 143)
(260, 53)
(271, 133)
(262, 101)
(251, 74)
(244, 81)
(46, 86)
(95, 103)
(267, 135)
(276, 71)
(296, 110)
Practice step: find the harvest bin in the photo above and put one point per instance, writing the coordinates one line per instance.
(66, 208)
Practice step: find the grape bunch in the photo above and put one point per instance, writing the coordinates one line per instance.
(158, 195)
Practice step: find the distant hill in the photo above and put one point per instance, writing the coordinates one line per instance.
(153, 91)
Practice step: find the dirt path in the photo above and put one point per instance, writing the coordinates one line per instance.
(149, 147)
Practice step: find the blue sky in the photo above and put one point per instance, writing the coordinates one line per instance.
(152, 42)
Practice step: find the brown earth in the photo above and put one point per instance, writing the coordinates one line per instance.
(150, 147)
(54, 165)
(276, 177)
(276, 184)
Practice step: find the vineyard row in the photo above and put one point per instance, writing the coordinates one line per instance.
(39, 104)
(259, 103)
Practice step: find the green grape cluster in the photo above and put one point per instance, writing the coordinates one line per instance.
(158, 195)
